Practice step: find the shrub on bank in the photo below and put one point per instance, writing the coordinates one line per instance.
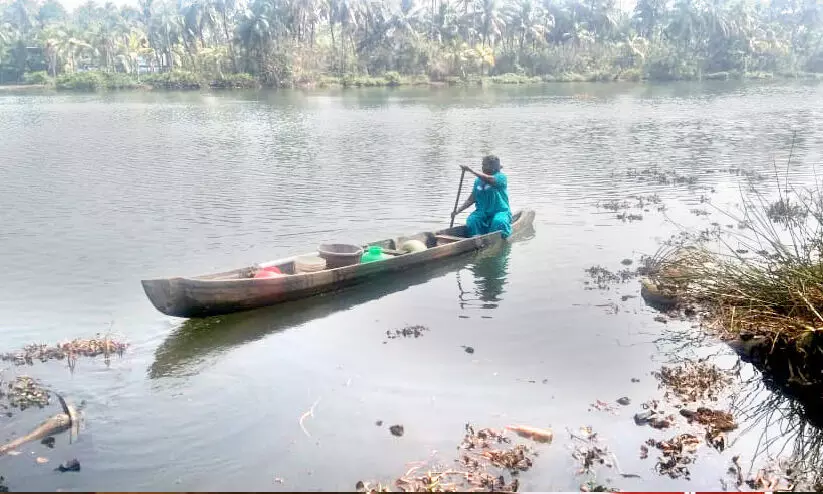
(177, 79)
(235, 81)
(95, 81)
(511, 78)
(37, 79)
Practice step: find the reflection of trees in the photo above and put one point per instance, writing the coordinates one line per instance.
(788, 419)
(788, 426)
(490, 269)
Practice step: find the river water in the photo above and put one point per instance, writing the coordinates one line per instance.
(100, 191)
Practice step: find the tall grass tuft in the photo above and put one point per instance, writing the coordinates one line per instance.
(766, 280)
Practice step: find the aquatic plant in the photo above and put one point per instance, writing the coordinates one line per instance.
(761, 286)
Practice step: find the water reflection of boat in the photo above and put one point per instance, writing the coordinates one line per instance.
(198, 339)
(489, 269)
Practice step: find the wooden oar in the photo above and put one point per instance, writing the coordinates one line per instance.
(457, 199)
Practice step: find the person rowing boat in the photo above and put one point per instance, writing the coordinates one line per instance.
(490, 197)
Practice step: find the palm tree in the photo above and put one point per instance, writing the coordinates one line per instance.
(527, 22)
(489, 21)
(166, 29)
(198, 18)
(648, 17)
(254, 34)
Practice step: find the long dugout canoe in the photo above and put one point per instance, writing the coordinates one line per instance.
(237, 290)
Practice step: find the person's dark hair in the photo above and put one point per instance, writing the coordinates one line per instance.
(492, 162)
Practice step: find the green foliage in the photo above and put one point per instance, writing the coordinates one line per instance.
(178, 79)
(95, 81)
(362, 43)
(84, 81)
(40, 78)
(235, 81)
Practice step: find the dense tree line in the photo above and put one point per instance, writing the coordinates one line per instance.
(287, 41)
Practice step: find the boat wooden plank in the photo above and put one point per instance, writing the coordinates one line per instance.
(234, 291)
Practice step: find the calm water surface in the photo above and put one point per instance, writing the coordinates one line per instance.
(99, 191)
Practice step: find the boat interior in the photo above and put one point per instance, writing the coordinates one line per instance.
(390, 246)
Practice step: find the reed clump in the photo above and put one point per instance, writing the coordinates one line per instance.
(761, 287)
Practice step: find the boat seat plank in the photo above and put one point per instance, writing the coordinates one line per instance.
(448, 238)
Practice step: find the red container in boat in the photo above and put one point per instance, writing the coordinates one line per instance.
(269, 272)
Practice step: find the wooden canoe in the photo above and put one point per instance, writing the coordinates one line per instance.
(235, 291)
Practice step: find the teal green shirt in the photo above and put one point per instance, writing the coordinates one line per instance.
(492, 199)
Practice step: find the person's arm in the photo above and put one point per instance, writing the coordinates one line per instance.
(489, 179)
(466, 205)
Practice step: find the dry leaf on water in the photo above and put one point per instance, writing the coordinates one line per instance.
(41, 460)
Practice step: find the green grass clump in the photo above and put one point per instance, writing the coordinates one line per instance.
(766, 281)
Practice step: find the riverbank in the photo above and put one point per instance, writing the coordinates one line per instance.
(180, 80)
(756, 286)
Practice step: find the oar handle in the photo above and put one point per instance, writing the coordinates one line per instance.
(457, 199)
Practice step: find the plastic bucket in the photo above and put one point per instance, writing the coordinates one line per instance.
(375, 253)
(309, 264)
(339, 255)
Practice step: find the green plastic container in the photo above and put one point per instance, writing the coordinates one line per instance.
(374, 253)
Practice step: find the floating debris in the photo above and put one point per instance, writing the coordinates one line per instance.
(716, 419)
(70, 350)
(653, 419)
(407, 332)
(784, 211)
(591, 454)
(26, 392)
(613, 205)
(644, 451)
(625, 401)
(306, 414)
(629, 217)
(592, 486)
(717, 423)
(41, 460)
(533, 433)
(693, 381)
(397, 430)
(480, 452)
(653, 416)
(69, 466)
(48, 442)
(603, 278)
(678, 452)
(602, 406)
(468, 349)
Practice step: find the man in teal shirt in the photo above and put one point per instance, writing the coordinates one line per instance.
(490, 197)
